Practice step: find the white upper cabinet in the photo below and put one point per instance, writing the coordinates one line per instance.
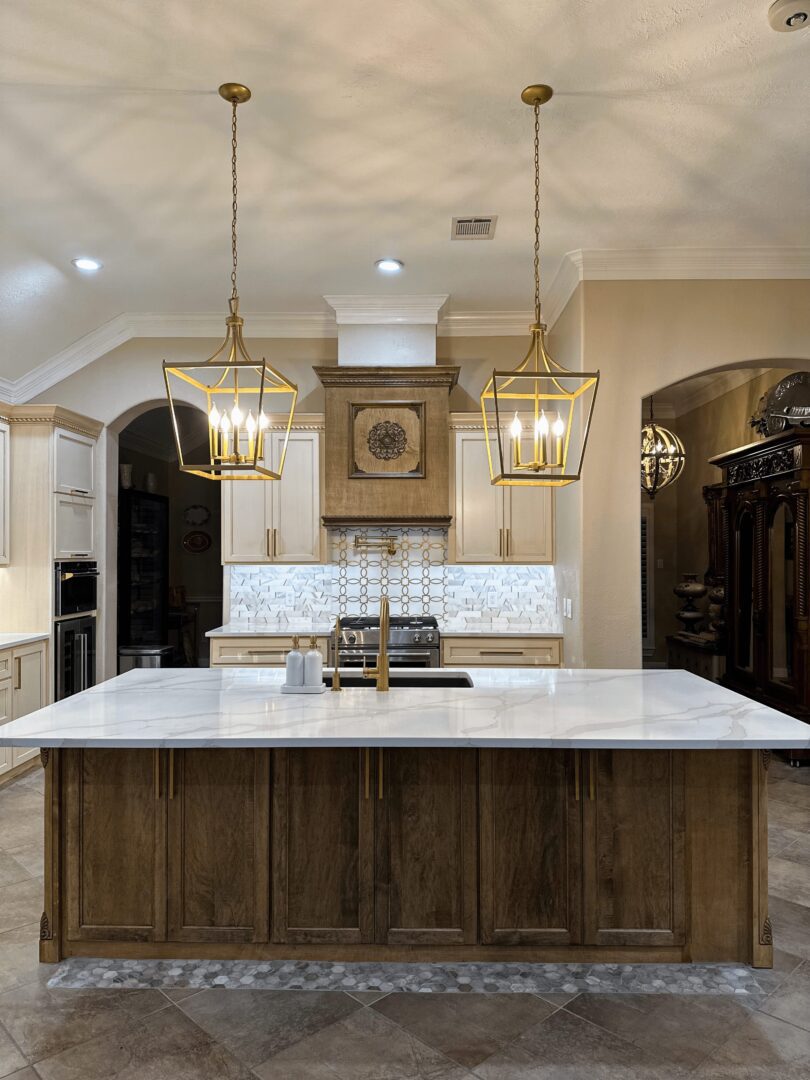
(5, 493)
(74, 468)
(73, 527)
(276, 520)
(497, 524)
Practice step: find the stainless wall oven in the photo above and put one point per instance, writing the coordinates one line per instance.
(75, 588)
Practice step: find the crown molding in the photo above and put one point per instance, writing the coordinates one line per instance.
(672, 264)
(486, 324)
(385, 310)
(270, 324)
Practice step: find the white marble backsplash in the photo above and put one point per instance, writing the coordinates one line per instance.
(417, 579)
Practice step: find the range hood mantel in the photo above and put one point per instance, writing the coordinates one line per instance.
(355, 500)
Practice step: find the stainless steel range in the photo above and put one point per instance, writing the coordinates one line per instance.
(413, 641)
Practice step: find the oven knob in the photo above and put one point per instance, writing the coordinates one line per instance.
(429, 638)
(352, 639)
(417, 638)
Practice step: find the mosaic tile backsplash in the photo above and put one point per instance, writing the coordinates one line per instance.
(417, 579)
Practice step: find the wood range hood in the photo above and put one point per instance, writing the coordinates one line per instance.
(355, 499)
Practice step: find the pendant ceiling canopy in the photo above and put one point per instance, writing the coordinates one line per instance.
(537, 416)
(241, 397)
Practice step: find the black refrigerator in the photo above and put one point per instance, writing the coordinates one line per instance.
(143, 569)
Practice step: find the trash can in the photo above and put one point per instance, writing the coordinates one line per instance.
(137, 656)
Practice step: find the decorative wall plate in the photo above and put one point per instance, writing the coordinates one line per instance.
(387, 440)
(197, 542)
(196, 514)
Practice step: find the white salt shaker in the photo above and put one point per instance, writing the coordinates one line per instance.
(313, 665)
(295, 665)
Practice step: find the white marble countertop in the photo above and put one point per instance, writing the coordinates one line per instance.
(507, 707)
(321, 627)
(22, 637)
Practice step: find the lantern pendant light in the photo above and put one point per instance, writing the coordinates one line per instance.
(243, 399)
(537, 417)
(662, 456)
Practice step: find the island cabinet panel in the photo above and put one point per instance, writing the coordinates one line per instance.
(115, 846)
(426, 865)
(323, 846)
(634, 836)
(531, 847)
(218, 844)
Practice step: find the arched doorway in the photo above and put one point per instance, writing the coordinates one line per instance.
(167, 555)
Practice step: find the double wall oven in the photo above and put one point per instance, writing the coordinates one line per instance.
(413, 641)
(75, 605)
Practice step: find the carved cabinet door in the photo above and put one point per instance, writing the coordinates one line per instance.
(323, 846)
(115, 854)
(426, 846)
(634, 848)
(218, 845)
(531, 847)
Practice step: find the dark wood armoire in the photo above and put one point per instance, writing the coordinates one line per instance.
(758, 548)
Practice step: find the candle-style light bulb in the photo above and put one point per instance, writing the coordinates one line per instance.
(224, 428)
(516, 429)
(213, 416)
(264, 423)
(237, 416)
(213, 421)
(540, 435)
(542, 425)
(558, 430)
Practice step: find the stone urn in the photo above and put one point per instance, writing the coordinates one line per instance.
(689, 590)
(717, 611)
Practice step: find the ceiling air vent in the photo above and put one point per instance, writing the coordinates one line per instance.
(473, 228)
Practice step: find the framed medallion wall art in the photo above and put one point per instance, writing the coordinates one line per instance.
(387, 440)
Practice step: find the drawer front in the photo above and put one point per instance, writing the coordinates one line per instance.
(501, 652)
(258, 652)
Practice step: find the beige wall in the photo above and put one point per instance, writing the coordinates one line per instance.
(645, 335)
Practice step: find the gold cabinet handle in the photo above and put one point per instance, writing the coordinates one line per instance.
(275, 543)
(18, 673)
(508, 541)
(157, 773)
(171, 774)
(576, 774)
(500, 542)
(367, 769)
(501, 652)
(380, 782)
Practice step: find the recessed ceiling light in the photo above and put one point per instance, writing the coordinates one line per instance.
(87, 264)
(787, 15)
(389, 266)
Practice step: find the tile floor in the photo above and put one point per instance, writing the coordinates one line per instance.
(207, 1034)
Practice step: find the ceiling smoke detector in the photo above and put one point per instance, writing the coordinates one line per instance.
(787, 15)
(473, 228)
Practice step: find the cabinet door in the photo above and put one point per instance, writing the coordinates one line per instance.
(528, 525)
(531, 847)
(73, 527)
(479, 505)
(5, 493)
(323, 846)
(634, 848)
(296, 499)
(246, 521)
(29, 691)
(74, 471)
(5, 716)
(219, 845)
(115, 858)
(426, 847)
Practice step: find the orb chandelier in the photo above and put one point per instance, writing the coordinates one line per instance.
(241, 397)
(662, 456)
(537, 417)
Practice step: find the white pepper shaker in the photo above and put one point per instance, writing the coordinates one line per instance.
(313, 665)
(295, 665)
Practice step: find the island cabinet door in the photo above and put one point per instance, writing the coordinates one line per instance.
(531, 847)
(323, 846)
(634, 848)
(426, 847)
(219, 845)
(115, 845)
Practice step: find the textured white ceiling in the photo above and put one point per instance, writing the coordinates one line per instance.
(674, 123)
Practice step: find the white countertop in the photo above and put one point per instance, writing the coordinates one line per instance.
(322, 627)
(507, 707)
(20, 637)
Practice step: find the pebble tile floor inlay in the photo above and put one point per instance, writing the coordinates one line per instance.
(242, 1020)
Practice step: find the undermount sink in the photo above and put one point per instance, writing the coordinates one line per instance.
(398, 679)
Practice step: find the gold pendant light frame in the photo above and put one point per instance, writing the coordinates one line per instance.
(663, 456)
(540, 410)
(260, 398)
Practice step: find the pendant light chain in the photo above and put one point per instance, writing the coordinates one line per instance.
(234, 202)
(537, 211)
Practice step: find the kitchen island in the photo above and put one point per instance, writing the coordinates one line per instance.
(544, 814)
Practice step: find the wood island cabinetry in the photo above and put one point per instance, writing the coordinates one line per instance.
(407, 852)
